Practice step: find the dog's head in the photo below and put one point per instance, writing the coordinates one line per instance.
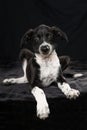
(43, 39)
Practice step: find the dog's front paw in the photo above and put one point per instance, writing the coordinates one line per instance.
(43, 111)
(9, 81)
(73, 93)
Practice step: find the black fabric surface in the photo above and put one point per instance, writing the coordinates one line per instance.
(18, 107)
(21, 91)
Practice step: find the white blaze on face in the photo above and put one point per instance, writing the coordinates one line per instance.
(45, 44)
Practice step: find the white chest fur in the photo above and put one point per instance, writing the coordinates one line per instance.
(49, 68)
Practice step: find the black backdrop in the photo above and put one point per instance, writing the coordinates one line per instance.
(17, 16)
(17, 110)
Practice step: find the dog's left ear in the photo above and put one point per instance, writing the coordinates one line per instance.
(58, 32)
(27, 38)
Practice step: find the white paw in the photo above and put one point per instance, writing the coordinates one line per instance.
(43, 111)
(73, 93)
(9, 81)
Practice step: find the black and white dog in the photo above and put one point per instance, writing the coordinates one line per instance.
(42, 67)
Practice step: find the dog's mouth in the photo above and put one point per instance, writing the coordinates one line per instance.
(45, 49)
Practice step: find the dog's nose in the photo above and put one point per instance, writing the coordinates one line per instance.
(45, 48)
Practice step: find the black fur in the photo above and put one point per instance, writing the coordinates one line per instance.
(42, 66)
(35, 37)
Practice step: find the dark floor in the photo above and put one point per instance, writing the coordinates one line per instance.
(17, 105)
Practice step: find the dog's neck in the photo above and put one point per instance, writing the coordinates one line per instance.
(48, 57)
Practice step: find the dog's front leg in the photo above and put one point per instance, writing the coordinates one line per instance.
(42, 105)
(19, 80)
(66, 89)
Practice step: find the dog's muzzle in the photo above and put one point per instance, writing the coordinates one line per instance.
(45, 48)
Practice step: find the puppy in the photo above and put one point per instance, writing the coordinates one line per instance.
(42, 67)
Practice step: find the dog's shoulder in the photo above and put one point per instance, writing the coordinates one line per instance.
(26, 54)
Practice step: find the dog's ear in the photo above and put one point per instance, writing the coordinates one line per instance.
(58, 32)
(26, 38)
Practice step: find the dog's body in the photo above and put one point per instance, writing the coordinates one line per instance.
(42, 67)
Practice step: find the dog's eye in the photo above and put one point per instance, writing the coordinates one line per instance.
(36, 39)
(48, 35)
(38, 36)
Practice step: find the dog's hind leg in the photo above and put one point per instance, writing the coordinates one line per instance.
(19, 80)
(64, 61)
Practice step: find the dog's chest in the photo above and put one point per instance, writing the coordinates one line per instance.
(49, 69)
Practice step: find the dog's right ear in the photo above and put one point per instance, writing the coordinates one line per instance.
(26, 38)
(58, 32)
